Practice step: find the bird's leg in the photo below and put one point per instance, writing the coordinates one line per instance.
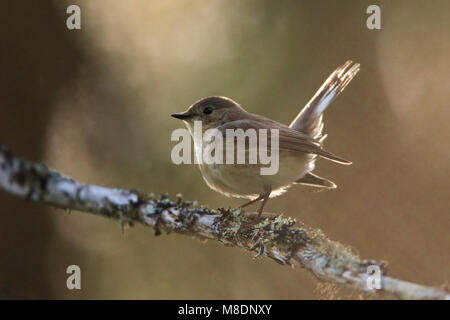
(265, 197)
(251, 202)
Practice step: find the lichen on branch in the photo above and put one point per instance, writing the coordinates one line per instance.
(274, 236)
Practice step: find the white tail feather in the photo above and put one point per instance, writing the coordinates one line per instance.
(309, 120)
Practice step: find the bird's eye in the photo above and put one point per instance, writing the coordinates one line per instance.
(208, 110)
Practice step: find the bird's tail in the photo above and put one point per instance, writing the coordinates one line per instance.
(309, 120)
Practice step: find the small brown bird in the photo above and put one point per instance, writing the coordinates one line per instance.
(299, 143)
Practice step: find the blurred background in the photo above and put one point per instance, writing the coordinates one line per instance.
(95, 104)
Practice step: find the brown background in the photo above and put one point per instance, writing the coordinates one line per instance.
(95, 104)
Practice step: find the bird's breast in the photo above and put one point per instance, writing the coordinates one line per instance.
(246, 181)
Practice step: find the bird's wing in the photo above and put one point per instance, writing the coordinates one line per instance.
(289, 139)
(309, 120)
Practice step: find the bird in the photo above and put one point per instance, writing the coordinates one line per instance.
(299, 146)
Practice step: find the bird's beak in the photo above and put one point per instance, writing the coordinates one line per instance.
(181, 115)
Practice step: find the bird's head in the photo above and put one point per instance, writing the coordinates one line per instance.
(212, 111)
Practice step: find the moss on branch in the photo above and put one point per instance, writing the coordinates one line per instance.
(274, 236)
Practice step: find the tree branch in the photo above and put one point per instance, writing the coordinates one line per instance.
(275, 237)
